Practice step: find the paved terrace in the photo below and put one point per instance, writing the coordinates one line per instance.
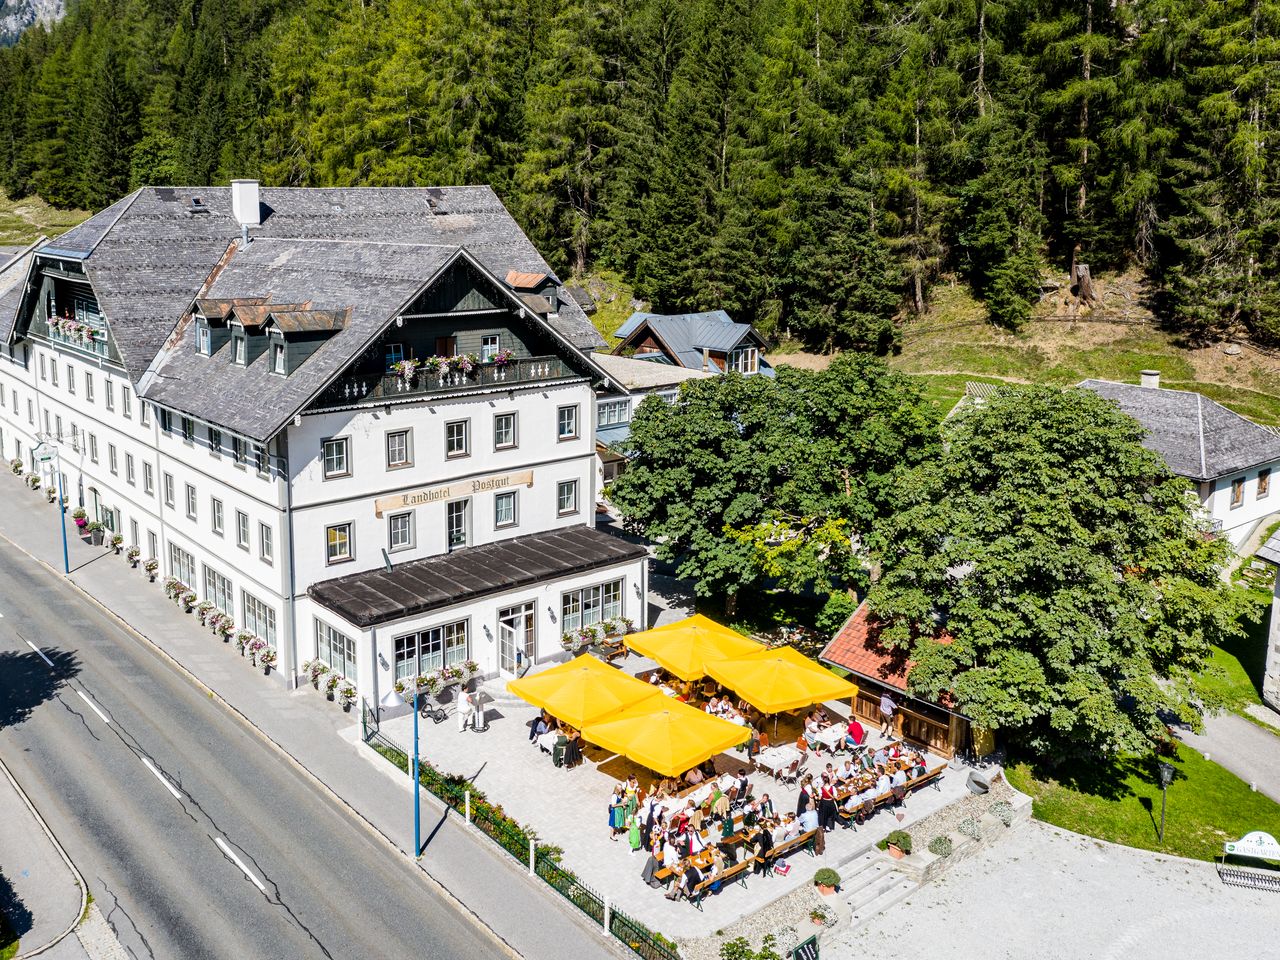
(569, 808)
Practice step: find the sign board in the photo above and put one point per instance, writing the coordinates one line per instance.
(1256, 844)
(452, 491)
(806, 949)
(45, 452)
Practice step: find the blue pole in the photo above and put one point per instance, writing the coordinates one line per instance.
(417, 808)
(62, 520)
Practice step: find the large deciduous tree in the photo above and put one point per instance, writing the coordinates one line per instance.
(1076, 575)
(744, 479)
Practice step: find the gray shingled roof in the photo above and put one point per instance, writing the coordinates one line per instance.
(1270, 551)
(148, 255)
(686, 336)
(13, 274)
(374, 279)
(1199, 438)
(380, 596)
(636, 374)
(629, 325)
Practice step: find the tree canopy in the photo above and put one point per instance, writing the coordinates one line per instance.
(744, 480)
(809, 165)
(1076, 576)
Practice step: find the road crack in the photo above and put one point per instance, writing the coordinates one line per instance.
(115, 905)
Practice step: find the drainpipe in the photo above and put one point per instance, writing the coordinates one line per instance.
(290, 608)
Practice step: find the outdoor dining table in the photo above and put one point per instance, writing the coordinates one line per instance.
(776, 759)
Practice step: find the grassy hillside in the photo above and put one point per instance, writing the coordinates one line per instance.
(22, 221)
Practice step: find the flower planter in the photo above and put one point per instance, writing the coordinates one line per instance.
(895, 851)
(95, 537)
(266, 669)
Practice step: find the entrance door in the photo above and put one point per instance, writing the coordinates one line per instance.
(516, 637)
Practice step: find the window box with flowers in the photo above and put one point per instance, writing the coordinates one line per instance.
(32, 481)
(331, 685)
(267, 659)
(132, 555)
(15, 467)
(314, 670)
(256, 646)
(151, 565)
(346, 695)
(116, 542)
(204, 612)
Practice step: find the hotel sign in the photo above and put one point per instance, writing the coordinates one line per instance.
(452, 491)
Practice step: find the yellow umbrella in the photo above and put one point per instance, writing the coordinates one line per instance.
(780, 679)
(684, 647)
(582, 690)
(665, 736)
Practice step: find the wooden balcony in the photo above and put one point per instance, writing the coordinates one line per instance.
(374, 388)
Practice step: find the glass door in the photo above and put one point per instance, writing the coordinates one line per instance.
(516, 637)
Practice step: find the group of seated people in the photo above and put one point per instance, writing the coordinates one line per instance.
(562, 741)
(858, 781)
(817, 721)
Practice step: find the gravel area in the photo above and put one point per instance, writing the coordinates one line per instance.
(782, 918)
(1054, 895)
(947, 820)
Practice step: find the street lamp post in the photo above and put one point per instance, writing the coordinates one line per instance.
(1166, 778)
(393, 699)
(46, 452)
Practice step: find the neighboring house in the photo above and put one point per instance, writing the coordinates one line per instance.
(709, 342)
(1270, 552)
(359, 421)
(1231, 460)
(638, 379)
(877, 670)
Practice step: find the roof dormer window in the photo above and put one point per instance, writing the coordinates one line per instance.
(203, 340)
(237, 349)
(278, 362)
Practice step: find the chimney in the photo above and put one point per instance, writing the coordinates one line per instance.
(1150, 379)
(706, 359)
(245, 206)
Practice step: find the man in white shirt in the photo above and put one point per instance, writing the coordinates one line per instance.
(883, 785)
(809, 819)
(899, 779)
(694, 776)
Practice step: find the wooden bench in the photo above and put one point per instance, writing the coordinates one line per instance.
(737, 873)
(805, 840)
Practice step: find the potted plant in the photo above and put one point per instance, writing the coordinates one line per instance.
(315, 669)
(151, 565)
(429, 683)
(132, 556)
(450, 675)
(347, 695)
(51, 494)
(95, 529)
(244, 640)
(226, 627)
(188, 601)
(502, 358)
(116, 542)
(331, 685)
(80, 517)
(256, 646)
(470, 670)
(898, 843)
(33, 481)
(204, 612)
(15, 467)
(267, 660)
(826, 880)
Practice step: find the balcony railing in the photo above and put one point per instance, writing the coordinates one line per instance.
(372, 388)
(96, 344)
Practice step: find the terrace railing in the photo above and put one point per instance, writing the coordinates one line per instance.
(374, 388)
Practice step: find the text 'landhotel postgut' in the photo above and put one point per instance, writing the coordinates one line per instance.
(361, 422)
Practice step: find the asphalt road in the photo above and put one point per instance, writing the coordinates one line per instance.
(196, 838)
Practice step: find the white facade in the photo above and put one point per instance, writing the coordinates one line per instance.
(1237, 504)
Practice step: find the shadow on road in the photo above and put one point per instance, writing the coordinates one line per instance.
(14, 912)
(26, 681)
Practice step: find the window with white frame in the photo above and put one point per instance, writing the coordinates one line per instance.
(400, 531)
(112, 463)
(237, 350)
(53, 372)
(336, 462)
(429, 650)
(242, 529)
(610, 412)
(456, 438)
(336, 649)
(217, 590)
(745, 360)
(337, 540)
(277, 359)
(567, 497)
(109, 394)
(145, 414)
(457, 523)
(399, 453)
(216, 515)
(181, 564)
(88, 390)
(590, 605)
(203, 340)
(126, 401)
(266, 543)
(490, 344)
(129, 470)
(191, 501)
(504, 509)
(148, 475)
(258, 617)
(57, 422)
(71, 380)
(504, 431)
(567, 422)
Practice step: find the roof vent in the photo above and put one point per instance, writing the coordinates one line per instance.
(1150, 379)
(197, 206)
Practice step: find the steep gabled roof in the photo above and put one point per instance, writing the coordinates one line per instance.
(1199, 438)
(856, 647)
(13, 276)
(632, 322)
(148, 255)
(686, 335)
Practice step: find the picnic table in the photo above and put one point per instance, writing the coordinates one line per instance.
(832, 737)
(777, 759)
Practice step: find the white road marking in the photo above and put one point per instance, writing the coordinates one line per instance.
(39, 651)
(239, 863)
(162, 778)
(105, 718)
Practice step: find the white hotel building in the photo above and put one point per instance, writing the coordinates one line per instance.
(235, 414)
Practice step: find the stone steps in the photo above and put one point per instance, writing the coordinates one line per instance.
(873, 884)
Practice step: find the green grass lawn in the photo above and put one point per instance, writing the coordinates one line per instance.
(8, 942)
(613, 307)
(22, 221)
(1207, 805)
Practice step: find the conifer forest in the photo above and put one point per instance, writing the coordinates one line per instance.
(814, 166)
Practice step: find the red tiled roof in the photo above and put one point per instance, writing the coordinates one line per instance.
(856, 647)
(525, 281)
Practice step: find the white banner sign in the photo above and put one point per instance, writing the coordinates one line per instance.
(452, 491)
(1255, 844)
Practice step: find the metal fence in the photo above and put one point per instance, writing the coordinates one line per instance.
(512, 838)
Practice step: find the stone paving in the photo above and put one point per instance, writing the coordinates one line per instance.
(1055, 895)
(569, 808)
